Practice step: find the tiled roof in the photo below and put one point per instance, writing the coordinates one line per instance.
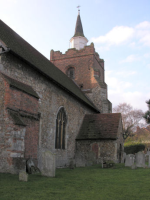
(78, 29)
(99, 126)
(24, 50)
(21, 86)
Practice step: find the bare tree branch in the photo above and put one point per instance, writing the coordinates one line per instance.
(130, 118)
(147, 114)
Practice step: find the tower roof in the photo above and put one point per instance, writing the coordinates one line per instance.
(78, 29)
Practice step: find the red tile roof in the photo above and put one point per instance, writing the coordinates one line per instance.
(99, 126)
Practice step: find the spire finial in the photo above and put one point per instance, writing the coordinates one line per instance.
(78, 10)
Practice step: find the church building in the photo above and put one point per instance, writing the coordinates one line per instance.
(58, 105)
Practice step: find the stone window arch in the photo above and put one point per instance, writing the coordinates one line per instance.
(71, 72)
(60, 129)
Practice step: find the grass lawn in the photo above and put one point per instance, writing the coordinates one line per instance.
(90, 183)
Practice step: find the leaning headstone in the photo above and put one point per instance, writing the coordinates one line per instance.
(79, 160)
(46, 163)
(30, 165)
(23, 176)
(129, 160)
(140, 159)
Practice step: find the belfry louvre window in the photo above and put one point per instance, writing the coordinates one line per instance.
(60, 129)
(70, 72)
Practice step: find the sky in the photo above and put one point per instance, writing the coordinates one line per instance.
(119, 29)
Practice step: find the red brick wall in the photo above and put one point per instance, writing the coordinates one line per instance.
(84, 61)
(31, 138)
(20, 101)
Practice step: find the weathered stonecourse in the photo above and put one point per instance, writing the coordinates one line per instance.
(43, 107)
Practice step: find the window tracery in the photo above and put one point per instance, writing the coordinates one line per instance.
(60, 129)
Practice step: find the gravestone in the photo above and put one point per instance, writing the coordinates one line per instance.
(23, 176)
(148, 155)
(71, 164)
(133, 166)
(79, 159)
(46, 163)
(129, 160)
(140, 159)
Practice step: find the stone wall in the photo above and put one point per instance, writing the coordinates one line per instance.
(51, 98)
(98, 95)
(103, 149)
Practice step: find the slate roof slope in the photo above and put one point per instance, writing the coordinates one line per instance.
(21, 86)
(23, 49)
(99, 126)
(78, 29)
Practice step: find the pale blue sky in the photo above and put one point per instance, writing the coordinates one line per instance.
(120, 30)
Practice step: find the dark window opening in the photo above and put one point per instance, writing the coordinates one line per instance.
(70, 72)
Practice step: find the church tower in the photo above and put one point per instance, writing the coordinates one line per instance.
(78, 41)
(83, 65)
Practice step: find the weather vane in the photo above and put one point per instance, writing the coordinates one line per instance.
(78, 7)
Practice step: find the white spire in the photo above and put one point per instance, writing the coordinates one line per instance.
(78, 41)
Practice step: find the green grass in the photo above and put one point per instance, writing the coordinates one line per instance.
(90, 183)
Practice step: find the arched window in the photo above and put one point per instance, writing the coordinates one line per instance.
(60, 129)
(70, 73)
